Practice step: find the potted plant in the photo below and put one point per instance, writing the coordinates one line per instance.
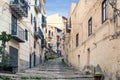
(98, 76)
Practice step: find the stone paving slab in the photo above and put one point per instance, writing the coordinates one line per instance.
(52, 70)
(56, 70)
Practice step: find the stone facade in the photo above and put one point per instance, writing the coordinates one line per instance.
(56, 26)
(21, 24)
(99, 50)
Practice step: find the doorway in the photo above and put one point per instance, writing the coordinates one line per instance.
(30, 64)
(88, 57)
(14, 58)
(78, 61)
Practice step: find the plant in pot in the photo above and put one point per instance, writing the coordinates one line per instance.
(98, 76)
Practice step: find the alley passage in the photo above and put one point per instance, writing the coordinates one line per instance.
(55, 70)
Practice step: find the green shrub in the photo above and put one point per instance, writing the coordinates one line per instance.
(5, 78)
(24, 78)
(98, 74)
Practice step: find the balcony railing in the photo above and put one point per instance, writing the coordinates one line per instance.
(20, 7)
(38, 33)
(18, 34)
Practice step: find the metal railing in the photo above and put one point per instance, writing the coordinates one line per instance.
(39, 33)
(18, 33)
(23, 4)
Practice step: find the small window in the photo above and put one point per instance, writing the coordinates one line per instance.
(26, 34)
(35, 24)
(35, 2)
(52, 33)
(70, 23)
(49, 33)
(90, 27)
(46, 30)
(104, 11)
(14, 24)
(77, 40)
(31, 18)
(34, 44)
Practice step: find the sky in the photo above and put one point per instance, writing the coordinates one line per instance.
(58, 6)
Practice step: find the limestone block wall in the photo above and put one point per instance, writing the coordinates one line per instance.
(100, 48)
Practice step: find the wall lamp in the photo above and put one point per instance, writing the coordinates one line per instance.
(113, 4)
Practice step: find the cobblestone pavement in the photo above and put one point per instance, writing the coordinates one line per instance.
(55, 70)
(51, 70)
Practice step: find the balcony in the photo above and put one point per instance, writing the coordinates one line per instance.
(18, 34)
(20, 7)
(38, 33)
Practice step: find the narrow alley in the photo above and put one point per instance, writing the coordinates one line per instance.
(34, 33)
(55, 70)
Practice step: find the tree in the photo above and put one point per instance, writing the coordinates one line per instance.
(4, 38)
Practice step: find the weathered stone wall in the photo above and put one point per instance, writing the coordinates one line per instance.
(99, 48)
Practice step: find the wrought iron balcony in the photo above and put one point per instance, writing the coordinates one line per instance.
(20, 7)
(38, 33)
(18, 34)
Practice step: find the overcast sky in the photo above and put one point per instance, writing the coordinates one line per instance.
(58, 6)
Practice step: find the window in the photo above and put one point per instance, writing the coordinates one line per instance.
(58, 38)
(49, 33)
(26, 34)
(35, 2)
(46, 30)
(69, 25)
(90, 27)
(52, 33)
(35, 24)
(31, 18)
(14, 25)
(34, 44)
(43, 19)
(77, 40)
(13, 52)
(104, 10)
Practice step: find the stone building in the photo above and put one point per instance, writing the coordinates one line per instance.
(92, 37)
(55, 31)
(25, 21)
